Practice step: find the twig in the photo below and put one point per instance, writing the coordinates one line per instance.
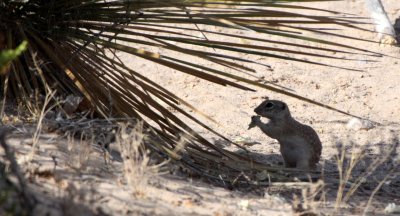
(375, 191)
(3, 106)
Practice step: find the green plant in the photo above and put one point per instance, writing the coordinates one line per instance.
(6, 56)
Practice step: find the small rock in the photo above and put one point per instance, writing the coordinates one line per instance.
(277, 199)
(392, 208)
(50, 115)
(71, 103)
(262, 175)
(359, 124)
(244, 204)
(241, 139)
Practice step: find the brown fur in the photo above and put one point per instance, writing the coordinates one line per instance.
(299, 144)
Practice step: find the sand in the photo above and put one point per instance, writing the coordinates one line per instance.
(372, 93)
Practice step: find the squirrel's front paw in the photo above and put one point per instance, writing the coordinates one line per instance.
(254, 121)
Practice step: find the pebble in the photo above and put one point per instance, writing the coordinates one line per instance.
(359, 124)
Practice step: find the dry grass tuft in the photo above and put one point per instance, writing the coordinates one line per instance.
(138, 169)
(358, 169)
(78, 153)
(40, 117)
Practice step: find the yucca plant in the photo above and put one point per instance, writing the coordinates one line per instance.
(72, 46)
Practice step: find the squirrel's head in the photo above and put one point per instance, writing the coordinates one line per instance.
(273, 109)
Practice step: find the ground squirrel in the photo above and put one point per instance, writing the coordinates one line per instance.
(299, 144)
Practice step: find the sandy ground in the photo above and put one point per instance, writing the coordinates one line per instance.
(373, 93)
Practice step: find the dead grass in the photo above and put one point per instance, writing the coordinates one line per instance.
(309, 198)
(356, 168)
(136, 161)
(335, 193)
(40, 116)
(78, 152)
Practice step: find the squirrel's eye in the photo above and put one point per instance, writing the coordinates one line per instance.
(269, 105)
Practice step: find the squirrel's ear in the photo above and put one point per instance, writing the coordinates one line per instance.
(283, 106)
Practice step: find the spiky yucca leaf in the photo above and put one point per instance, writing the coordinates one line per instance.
(72, 46)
